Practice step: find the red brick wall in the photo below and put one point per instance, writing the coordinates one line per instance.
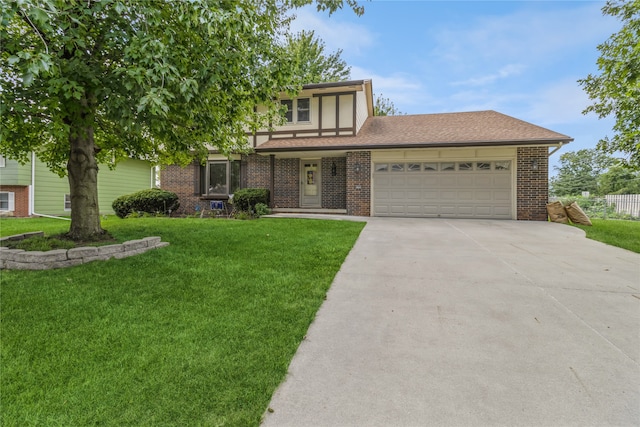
(359, 183)
(258, 171)
(533, 185)
(21, 199)
(287, 183)
(334, 188)
(183, 181)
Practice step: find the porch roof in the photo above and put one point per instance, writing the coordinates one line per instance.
(468, 129)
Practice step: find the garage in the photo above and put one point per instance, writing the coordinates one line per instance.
(447, 189)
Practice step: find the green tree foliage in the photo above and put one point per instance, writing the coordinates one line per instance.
(619, 180)
(579, 171)
(83, 81)
(616, 90)
(310, 63)
(384, 107)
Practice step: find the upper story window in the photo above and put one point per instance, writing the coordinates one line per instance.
(67, 202)
(3, 163)
(298, 110)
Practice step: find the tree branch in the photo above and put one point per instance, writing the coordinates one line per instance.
(40, 34)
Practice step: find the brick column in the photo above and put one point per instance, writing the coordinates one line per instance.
(359, 183)
(334, 187)
(532, 183)
(287, 183)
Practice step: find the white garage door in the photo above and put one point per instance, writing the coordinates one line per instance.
(478, 189)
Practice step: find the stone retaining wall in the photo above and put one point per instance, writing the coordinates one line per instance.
(18, 259)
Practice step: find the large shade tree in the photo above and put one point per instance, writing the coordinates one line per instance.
(616, 90)
(84, 81)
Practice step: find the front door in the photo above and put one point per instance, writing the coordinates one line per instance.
(310, 183)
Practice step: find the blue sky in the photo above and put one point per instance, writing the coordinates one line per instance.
(521, 58)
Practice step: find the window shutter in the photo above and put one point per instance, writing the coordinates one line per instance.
(12, 202)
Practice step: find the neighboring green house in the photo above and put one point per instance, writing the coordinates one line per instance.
(32, 189)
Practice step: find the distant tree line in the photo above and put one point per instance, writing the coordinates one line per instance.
(593, 171)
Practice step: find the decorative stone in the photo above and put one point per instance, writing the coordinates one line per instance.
(82, 252)
(18, 259)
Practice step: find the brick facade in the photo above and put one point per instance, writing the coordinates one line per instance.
(184, 181)
(286, 193)
(359, 183)
(21, 200)
(532, 183)
(257, 170)
(334, 187)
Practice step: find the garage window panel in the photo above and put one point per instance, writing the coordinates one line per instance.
(483, 166)
(382, 167)
(503, 165)
(430, 167)
(397, 167)
(447, 166)
(413, 167)
(465, 166)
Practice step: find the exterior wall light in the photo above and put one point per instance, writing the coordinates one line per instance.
(334, 169)
(534, 164)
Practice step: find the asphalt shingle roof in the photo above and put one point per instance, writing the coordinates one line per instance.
(428, 130)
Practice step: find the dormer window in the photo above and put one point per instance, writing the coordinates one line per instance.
(298, 110)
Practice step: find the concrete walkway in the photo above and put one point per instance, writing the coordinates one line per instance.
(471, 323)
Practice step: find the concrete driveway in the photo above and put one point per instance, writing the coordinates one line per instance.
(471, 323)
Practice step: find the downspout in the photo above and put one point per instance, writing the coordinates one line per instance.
(32, 192)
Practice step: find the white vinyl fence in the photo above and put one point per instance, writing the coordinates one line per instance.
(624, 204)
(613, 206)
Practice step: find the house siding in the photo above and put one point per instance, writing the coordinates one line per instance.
(532, 185)
(13, 173)
(129, 176)
(358, 166)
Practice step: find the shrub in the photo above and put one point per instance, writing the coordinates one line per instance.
(152, 201)
(262, 209)
(246, 199)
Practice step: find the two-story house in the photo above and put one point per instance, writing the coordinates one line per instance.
(32, 189)
(334, 156)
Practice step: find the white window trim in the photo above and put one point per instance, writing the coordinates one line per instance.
(12, 201)
(294, 111)
(3, 162)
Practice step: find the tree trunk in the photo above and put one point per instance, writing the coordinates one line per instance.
(82, 169)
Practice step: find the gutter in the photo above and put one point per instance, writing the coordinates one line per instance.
(32, 192)
(404, 146)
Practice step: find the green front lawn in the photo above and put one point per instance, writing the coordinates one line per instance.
(623, 234)
(198, 333)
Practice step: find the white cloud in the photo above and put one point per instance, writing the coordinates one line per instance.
(351, 38)
(509, 70)
(522, 37)
(404, 90)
